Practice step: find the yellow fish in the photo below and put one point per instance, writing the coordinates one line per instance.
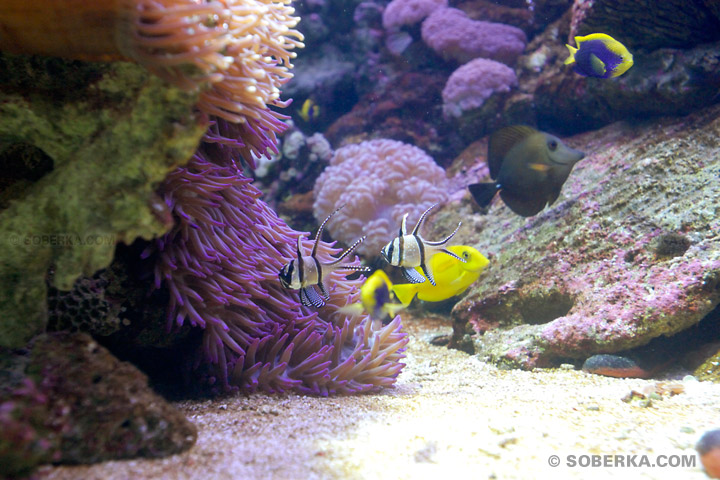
(599, 55)
(452, 276)
(309, 111)
(375, 298)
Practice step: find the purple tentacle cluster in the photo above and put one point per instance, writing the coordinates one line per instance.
(220, 264)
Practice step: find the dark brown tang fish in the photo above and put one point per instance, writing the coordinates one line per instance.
(529, 168)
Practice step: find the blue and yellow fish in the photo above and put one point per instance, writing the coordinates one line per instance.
(599, 55)
(376, 298)
(310, 111)
(452, 277)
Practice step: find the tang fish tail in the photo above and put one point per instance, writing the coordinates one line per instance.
(483, 193)
(405, 292)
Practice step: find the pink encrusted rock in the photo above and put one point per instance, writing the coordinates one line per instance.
(630, 251)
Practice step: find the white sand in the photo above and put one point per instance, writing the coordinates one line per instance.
(449, 415)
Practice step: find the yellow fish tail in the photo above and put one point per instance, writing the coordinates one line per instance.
(405, 292)
(571, 58)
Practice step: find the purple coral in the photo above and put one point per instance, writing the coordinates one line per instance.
(399, 13)
(452, 34)
(220, 264)
(470, 85)
(377, 181)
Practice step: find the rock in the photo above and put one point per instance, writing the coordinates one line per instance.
(648, 24)
(93, 141)
(584, 276)
(665, 81)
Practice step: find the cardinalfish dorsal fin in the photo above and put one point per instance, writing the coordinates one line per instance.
(502, 141)
(422, 219)
(403, 226)
(318, 235)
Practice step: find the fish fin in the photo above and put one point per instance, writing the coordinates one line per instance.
(310, 298)
(405, 292)
(318, 235)
(428, 274)
(502, 141)
(354, 309)
(348, 252)
(483, 193)
(597, 65)
(448, 252)
(323, 291)
(523, 206)
(422, 219)
(539, 167)
(392, 309)
(403, 226)
(413, 276)
(445, 240)
(571, 58)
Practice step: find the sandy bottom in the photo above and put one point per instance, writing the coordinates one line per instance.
(449, 415)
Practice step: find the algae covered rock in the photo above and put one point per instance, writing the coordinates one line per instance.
(630, 251)
(82, 147)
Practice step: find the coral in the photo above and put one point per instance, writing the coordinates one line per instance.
(221, 263)
(376, 182)
(473, 83)
(112, 139)
(399, 13)
(584, 278)
(453, 35)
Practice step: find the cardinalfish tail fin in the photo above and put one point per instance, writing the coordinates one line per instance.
(483, 193)
(405, 292)
(571, 58)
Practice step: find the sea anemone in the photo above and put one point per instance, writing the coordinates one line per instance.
(220, 264)
(240, 48)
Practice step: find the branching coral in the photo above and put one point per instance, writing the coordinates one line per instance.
(378, 182)
(221, 263)
(242, 48)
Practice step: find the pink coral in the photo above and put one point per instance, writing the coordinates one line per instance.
(377, 181)
(470, 85)
(455, 36)
(409, 12)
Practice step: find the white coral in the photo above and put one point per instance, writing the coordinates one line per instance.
(377, 181)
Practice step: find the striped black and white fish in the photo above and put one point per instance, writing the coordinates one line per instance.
(411, 250)
(305, 271)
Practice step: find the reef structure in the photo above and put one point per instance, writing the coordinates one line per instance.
(628, 254)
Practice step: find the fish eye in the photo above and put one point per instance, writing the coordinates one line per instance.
(552, 145)
(466, 255)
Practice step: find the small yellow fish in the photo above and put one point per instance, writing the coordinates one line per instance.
(375, 298)
(599, 55)
(309, 111)
(452, 277)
